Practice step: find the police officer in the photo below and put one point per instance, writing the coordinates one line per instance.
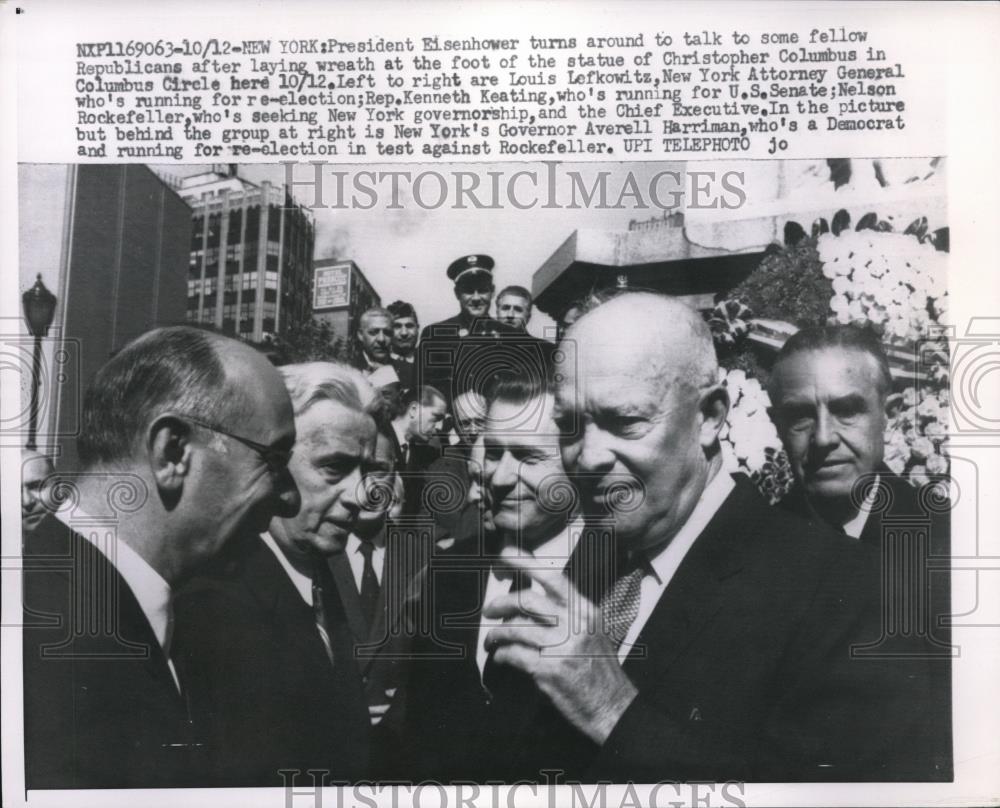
(462, 352)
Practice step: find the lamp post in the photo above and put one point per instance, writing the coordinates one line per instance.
(39, 308)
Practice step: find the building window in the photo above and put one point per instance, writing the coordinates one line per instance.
(270, 280)
(235, 225)
(253, 225)
(214, 229)
(273, 223)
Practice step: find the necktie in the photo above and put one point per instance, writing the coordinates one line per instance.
(369, 585)
(404, 450)
(322, 592)
(620, 605)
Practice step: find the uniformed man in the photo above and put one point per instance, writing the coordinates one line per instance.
(464, 351)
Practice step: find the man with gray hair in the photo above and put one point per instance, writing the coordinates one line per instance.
(374, 341)
(185, 438)
(829, 389)
(265, 638)
(720, 646)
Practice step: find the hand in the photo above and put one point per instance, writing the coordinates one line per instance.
(556, 636)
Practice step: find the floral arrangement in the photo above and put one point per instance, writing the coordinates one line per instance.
(896, 282)
(916, 435)
(749, 440)
(893, 281)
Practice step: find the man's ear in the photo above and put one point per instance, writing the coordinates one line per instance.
(169, 449)
(713, 404)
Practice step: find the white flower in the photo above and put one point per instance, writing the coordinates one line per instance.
(936, 464)
(895, 458)
(921, 448)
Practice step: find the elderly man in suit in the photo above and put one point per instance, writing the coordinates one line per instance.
(184, 442)
(720, 648)
(829, 388)
(372, 575)
(265, 637)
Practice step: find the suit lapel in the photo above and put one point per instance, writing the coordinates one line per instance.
(132, 628)
(695, 593)
(270, 585)
(343, 576)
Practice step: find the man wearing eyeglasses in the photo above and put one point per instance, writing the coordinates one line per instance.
(266, 638)
(184, 440)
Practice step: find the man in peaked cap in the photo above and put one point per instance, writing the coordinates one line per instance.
(462, 352)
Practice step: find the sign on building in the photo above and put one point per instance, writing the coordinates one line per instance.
(332, 287)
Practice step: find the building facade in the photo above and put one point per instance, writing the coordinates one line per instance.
(341, 294)
(251, 256)
(111, 242)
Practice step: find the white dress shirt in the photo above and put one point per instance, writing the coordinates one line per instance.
(357, 559)
(663, 566)
(854, 526)
(150, 589)
(552, 554)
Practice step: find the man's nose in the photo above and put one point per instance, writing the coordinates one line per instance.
(504, 475)
(353, 491)
(825, 433)
(287, 495)
(594, 455)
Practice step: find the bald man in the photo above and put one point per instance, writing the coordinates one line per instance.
(717, 643)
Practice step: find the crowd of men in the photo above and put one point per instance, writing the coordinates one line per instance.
(261, 572)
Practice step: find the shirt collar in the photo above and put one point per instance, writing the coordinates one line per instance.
(400, 434)
(150, 589)
(854, 526)
(354, 542)
(666, 561)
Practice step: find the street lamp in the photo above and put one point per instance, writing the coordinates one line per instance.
(39, 308)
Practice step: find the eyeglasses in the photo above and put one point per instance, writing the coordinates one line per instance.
(276, 459)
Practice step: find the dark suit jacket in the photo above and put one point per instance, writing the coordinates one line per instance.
(910, 535)
(452, 728)
(414, 473)
(380, 653)
(260, 680)
(746, 673)
(452, 354)
(101, 709)
(406, 371)
(453, 516)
